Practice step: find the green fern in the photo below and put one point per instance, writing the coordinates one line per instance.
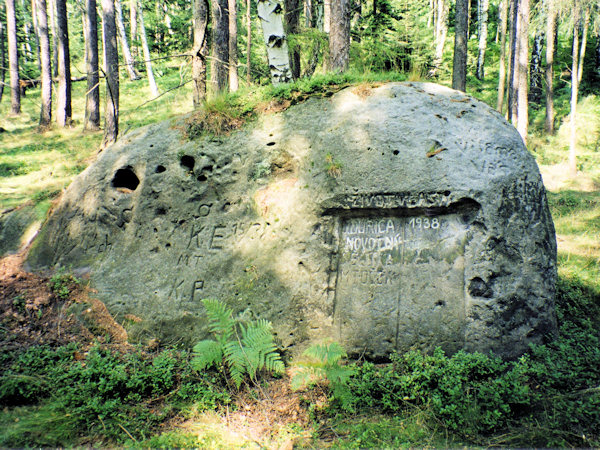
(245, 348)
(324, 364)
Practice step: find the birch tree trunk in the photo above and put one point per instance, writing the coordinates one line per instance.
(549, 73)
(133, 27)
(270, 14)
(459, 67)
(92, 105)
(133, 75)
(584, 33)
(13, 57)
(574, 95)
(111, 62)
(502, 62)
(46, 72)
(339, 36)
(219, 73)
(233, 49)
(200, 23)
(482, 13)
(522, 93)
(63, 107)
(146, 50)
(292, 23)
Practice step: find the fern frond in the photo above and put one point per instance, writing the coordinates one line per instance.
(306, 376)
(328, 354)
(220, 319)
(206, 354)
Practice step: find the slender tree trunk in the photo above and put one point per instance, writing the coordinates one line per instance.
(233, 48)
(512, 77)
(441, 32)
(54, 28)
(63, 107)
(327, 15)
(27, 47)
(459, 68)
(92, 105)
(34, 19)
(482, 13)
(574, 95)
(584, 33)
(292, 26)
(200, 22)
(133, 27)
(550, 50)
(146, 50)
(133, 75)
(111, 61)
(339, 36)
(248, 41)
(46, 73)
(220, 46)
(430, 13)
(319, 16)
(502, 62)
(522, 93)
(13, 57)
(270, 14)
(308, 13)
(536, 77)
(2, 55)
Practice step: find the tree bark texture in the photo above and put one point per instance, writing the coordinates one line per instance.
(219, 72)
(339, 36)
(54, 29)
(92, 104)
(146, 50)
(327, 15)
(133, 75)
(522, 93)
(536, 76)
(233, 48)
(482, 14)
(319, 14)
(584, 33)
(2, 56)
(63, 107)
(34, 19)
(46, 72)
(459, 68)
(292, 26)
(442, 31)
(111, 62)
(502, 62)
(13, 57)
(549, 72)
(133, 26)
(512, 78)
(574, 95)
(200, 23)
(270, 14)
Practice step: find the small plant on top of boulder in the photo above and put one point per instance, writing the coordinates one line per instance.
(244, 347)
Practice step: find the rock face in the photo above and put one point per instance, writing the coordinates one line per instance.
(388, 218)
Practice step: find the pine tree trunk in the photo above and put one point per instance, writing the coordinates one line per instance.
(63, 107)
(292, 24)
(54, 28)
(146, 50)
(339, 36)
(502, 62)
(584, 33)
(482, 13)
(522, 93)
(536, 77)
(441, 32)
(92, 105)
(248, 41)
(133, 27)
(13, 57)
(574, 95)
(34, 19)
(46, 72)
(459, 67)
(200, 22)
(327, 15)
(219, 72)
(550, 51)
(270, 14)
(512, 77)
(2, 55)
(133, 75)
(27, 47)
(233, 48)
(111, 62)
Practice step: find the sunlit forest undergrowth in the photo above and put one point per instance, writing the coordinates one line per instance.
(551, 397)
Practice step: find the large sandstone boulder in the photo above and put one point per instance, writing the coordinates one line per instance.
(403, 216)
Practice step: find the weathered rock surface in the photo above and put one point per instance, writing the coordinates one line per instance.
(405, 216)
(18, 227)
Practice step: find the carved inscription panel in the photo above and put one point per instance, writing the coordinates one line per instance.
(400, 281)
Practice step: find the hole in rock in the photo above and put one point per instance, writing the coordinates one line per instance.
(187, 162)
(270, 144)
(125, 179)
(160, 211)
(168, 245)
(160, 169)
(396, 152)
(202, 177)
(151, 145)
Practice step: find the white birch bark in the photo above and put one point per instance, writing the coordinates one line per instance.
(133, 75)
(146, 50)
(270, 14)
